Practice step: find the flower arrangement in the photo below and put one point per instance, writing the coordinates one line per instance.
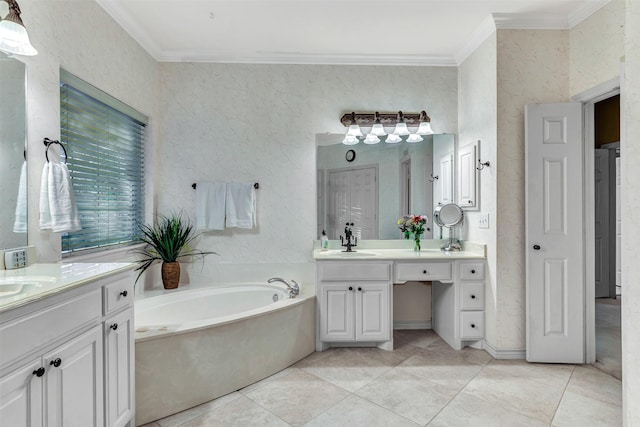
(413, 224)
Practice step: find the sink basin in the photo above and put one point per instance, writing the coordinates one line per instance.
(14, 285)
(354, 254)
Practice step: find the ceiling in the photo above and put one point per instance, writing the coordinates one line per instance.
(384, 32)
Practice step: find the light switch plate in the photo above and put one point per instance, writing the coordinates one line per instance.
(483, 220)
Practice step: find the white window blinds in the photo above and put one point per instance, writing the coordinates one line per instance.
(104, 139)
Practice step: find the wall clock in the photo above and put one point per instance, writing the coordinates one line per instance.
(350, 156)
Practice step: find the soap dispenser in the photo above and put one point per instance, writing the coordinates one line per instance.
(324, 241)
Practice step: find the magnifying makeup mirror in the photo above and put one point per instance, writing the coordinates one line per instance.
(448, 216)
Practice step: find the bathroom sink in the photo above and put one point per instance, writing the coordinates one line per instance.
(14, 285)
(353, 254)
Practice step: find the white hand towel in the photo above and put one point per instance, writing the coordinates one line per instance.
(210, 205)
(20, 223)
(58, 210)
(241, 205)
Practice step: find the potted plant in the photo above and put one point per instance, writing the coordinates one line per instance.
(168, 241)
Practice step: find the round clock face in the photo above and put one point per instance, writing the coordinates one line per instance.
(350, 156)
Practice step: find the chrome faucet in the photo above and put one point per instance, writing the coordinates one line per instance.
(293, 287)
(352, 240)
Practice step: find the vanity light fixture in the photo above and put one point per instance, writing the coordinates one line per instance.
(376, 123)
(13, 34)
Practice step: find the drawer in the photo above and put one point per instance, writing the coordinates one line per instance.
(118, 294)
(354, 271)
(32, 331)
(471, 325)
(472, 270)
(472, 296)
(422, 271)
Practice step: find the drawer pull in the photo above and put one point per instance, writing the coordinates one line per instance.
(350, 288)
(425, 272)
(473, 325)
(124, 293)
(473, 297)
(114, 326)
(473, 272)
(39, 372)
(56, 362)
(360, 289)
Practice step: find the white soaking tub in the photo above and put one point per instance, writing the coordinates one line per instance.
(195, 345)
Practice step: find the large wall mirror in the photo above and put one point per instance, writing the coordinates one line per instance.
(372, 186)
(13, 168)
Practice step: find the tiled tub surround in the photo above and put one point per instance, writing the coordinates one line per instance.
(184, 363)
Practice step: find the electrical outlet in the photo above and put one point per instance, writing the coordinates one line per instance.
(483, 220)
(16, 258)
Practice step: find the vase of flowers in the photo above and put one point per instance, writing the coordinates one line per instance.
(413, 224)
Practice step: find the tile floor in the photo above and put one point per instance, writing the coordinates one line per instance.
(422, 382)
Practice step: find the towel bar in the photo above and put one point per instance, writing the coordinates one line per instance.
(256, 185)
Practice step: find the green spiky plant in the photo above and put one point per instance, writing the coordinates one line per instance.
(168, 240)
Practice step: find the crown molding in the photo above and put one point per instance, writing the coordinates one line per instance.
(477, 37)
(307, 59)
(519, 21)
(124, 19)
(585, 11)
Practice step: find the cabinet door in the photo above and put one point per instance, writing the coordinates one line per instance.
(21, 397)
(73, 382)
(337, 312)
(118, 332)
(372, 313)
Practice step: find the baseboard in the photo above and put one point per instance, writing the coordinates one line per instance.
(412, 324)
(504, 354)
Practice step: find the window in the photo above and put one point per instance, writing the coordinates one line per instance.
(104, 139)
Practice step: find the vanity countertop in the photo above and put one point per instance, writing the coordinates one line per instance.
(25, 285)
(393, 250)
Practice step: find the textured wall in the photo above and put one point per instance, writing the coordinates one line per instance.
(631, 219)
(477, 120)
(82, 38)
(533, 66)
(235, 122)
(597, 47)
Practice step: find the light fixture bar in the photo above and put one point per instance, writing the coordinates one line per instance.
(386, 119)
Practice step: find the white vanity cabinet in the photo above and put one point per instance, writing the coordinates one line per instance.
(354, 303)
(63, 363)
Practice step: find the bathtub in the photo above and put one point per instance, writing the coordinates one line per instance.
(195, 345)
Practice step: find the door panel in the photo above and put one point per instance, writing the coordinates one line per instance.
(554, 233)
(338, 320)
(372, 313)
(353, 197)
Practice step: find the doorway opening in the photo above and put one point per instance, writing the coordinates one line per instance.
(607, 283)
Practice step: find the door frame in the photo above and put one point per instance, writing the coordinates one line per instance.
(588, 99)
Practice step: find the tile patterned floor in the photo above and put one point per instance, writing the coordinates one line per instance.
(421, 383)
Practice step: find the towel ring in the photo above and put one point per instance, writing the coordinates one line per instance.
(48, 142)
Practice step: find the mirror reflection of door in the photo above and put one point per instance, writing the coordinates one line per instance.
(405, 187)
(352, 198)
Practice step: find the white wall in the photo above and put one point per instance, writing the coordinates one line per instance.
(82, 38)
(237, 122)
(477, 117)
(630, 190)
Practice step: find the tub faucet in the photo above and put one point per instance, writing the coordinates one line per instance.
(293, 287)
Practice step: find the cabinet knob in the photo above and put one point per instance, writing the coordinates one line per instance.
(473, 272)
(39, 372)
(473, 325)
(473, 297)
(424, 271)
(114, 326)
(360, 289)
(124, 293)
(56, 362)
(536, 247)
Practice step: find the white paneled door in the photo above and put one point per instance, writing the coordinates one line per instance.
(554, 233)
